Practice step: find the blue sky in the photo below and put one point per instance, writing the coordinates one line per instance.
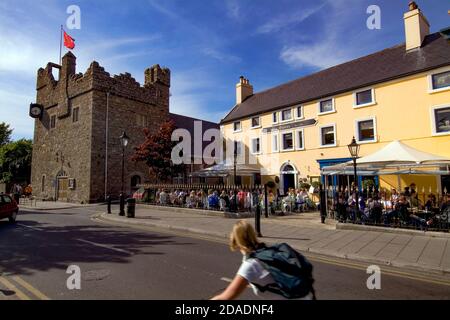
(206, 44)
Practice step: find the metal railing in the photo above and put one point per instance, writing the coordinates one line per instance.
(383, 207)
(245, 199)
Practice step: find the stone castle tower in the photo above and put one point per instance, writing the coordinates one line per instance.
(77, 153)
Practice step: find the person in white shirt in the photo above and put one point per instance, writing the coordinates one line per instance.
(243, 238)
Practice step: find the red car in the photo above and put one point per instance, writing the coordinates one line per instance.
(8, 208)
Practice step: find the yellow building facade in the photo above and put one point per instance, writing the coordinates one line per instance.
(290, 143)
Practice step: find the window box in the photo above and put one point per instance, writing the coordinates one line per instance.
(366, 130)
(440, 120)
(327, 136)
(326, 107)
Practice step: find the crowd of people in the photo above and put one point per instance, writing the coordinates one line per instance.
(18, 191)
(233, 200)
(398, 209)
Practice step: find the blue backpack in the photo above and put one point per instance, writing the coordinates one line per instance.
(291, 271)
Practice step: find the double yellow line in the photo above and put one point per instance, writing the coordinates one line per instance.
(16, 284)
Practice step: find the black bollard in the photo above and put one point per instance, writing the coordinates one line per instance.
(108, 202)
(323, 205)
(122, 205)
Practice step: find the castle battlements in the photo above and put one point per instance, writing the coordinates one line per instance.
(154, 91)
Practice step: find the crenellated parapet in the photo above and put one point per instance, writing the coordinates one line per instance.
(53, 92)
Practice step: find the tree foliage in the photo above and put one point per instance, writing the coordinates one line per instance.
(15, 161)
(5, 133)
(156, 152)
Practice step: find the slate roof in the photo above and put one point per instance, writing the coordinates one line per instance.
(382, 66)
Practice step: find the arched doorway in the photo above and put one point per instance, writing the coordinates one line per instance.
(288, 176)
(62, 190)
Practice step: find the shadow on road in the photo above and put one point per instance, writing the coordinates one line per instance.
(29, 246)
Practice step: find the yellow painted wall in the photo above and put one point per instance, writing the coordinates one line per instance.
(402, 112)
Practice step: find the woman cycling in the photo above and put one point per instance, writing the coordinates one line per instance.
(243, 238)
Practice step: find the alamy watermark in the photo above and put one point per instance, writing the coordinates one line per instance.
(374, 20)
(374, 280)
(74, 19)
(74, 280)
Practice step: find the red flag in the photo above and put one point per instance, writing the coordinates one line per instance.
(69, 42)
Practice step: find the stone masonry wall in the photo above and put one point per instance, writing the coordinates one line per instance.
(78, 148)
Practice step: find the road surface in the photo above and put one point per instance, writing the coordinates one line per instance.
(121, 262)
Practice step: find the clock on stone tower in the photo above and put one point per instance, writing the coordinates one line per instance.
(35, 110)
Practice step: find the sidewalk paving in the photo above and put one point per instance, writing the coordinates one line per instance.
(51, 205)
(419, 251)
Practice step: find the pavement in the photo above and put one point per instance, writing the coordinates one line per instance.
(51, 205)
(428, 252)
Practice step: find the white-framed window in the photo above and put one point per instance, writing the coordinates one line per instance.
(327, 135)
(256, 145)
(275, 117)
(326, 106)
(439, 80)
(237, 126)
(364, 98)
(300, 139)
(275, 142)
(366, 130)
(299, 112)
(287, 141)
(440, 120)
(255, 122)
(286, 115)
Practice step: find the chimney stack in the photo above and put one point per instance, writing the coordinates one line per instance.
(243, 90)
(416, 26)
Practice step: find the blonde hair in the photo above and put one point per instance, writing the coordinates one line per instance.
(243, 237)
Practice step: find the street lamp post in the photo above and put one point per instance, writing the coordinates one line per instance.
(235, 175)
(353, 147)
(124, 140)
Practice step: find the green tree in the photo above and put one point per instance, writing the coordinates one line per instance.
(15, 161)
(5, 133)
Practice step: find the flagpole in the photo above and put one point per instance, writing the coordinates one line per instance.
(60, 46)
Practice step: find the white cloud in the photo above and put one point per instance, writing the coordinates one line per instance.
(287, 20)
(337, 41)
(14, 110)
(233, 9)
(323, 54)
(220, 56)
(191, 91)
